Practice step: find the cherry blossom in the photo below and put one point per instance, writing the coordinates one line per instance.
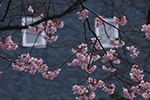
(38, 30)
(131, 49)
(122, 20)
(93, 84)
(99, 21)
(127, 93)
(79, 89)
(84, 59)
(136, 73)
(116, 43)
(144, 89)
(40, 16)
(95, 41)
(59, 24)
(50, 38)
(110, 69)
(30, 9)
(109, 88)
(83, 14)
(111, 55)
(146, 29)
(83, 92)
(49, 27)
(8, 44)
(134, 51)
(51, 74)
(29, 64)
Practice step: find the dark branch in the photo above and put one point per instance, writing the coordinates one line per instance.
(5, 14)
(69, 10)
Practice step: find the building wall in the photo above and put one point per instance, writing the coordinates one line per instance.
(22, 86)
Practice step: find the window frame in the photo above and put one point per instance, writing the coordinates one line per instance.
(115, 32)
(42, 44)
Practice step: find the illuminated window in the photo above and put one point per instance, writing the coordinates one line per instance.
(112, 32)
(29, 37)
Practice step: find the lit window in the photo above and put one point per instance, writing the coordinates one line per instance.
(29, 37)
(111, 31)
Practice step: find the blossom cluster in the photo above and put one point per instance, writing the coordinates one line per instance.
(51, 74)
(146, 29)
(122, 20)
(134, 51)
(116, 43)
(93, 84)
(83, 14)
(142, 89)
(111, 55)
(49, 27)
(99, 21)
(128, 93)
(83, 92)
(87, 92)
(84, 59)
(8, 44)
(32, 65)
(109, 88)
(96, 43)
(136, 73)
(110, 69)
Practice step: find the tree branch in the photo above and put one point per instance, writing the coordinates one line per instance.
(69, 10)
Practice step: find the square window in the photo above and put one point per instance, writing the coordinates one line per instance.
(111, 31)
(29, 37)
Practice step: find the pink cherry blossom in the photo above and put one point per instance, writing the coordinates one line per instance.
(40, 16)
(91, 69)
(83, 92)
(30, 9)
(110, 69)
(82, 98)
(146, 29)
(8, 44)
(38, 30)
(134, 51)
(83, 14)
(117, 43)
(79, 89)
(84, 59)
(91, 95)
(59, 24)
(143, 88)
(50, 38)
(111, 55)
(86, 96)
(93, 84)
(99, 21)
(122, 20)
(136, 73)
(127, 93)
(51, 74)
(146, 96)
(97, 45)
(29, 64)
(131, 49)
(109, 88)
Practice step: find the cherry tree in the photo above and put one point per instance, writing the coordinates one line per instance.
(89, 55)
